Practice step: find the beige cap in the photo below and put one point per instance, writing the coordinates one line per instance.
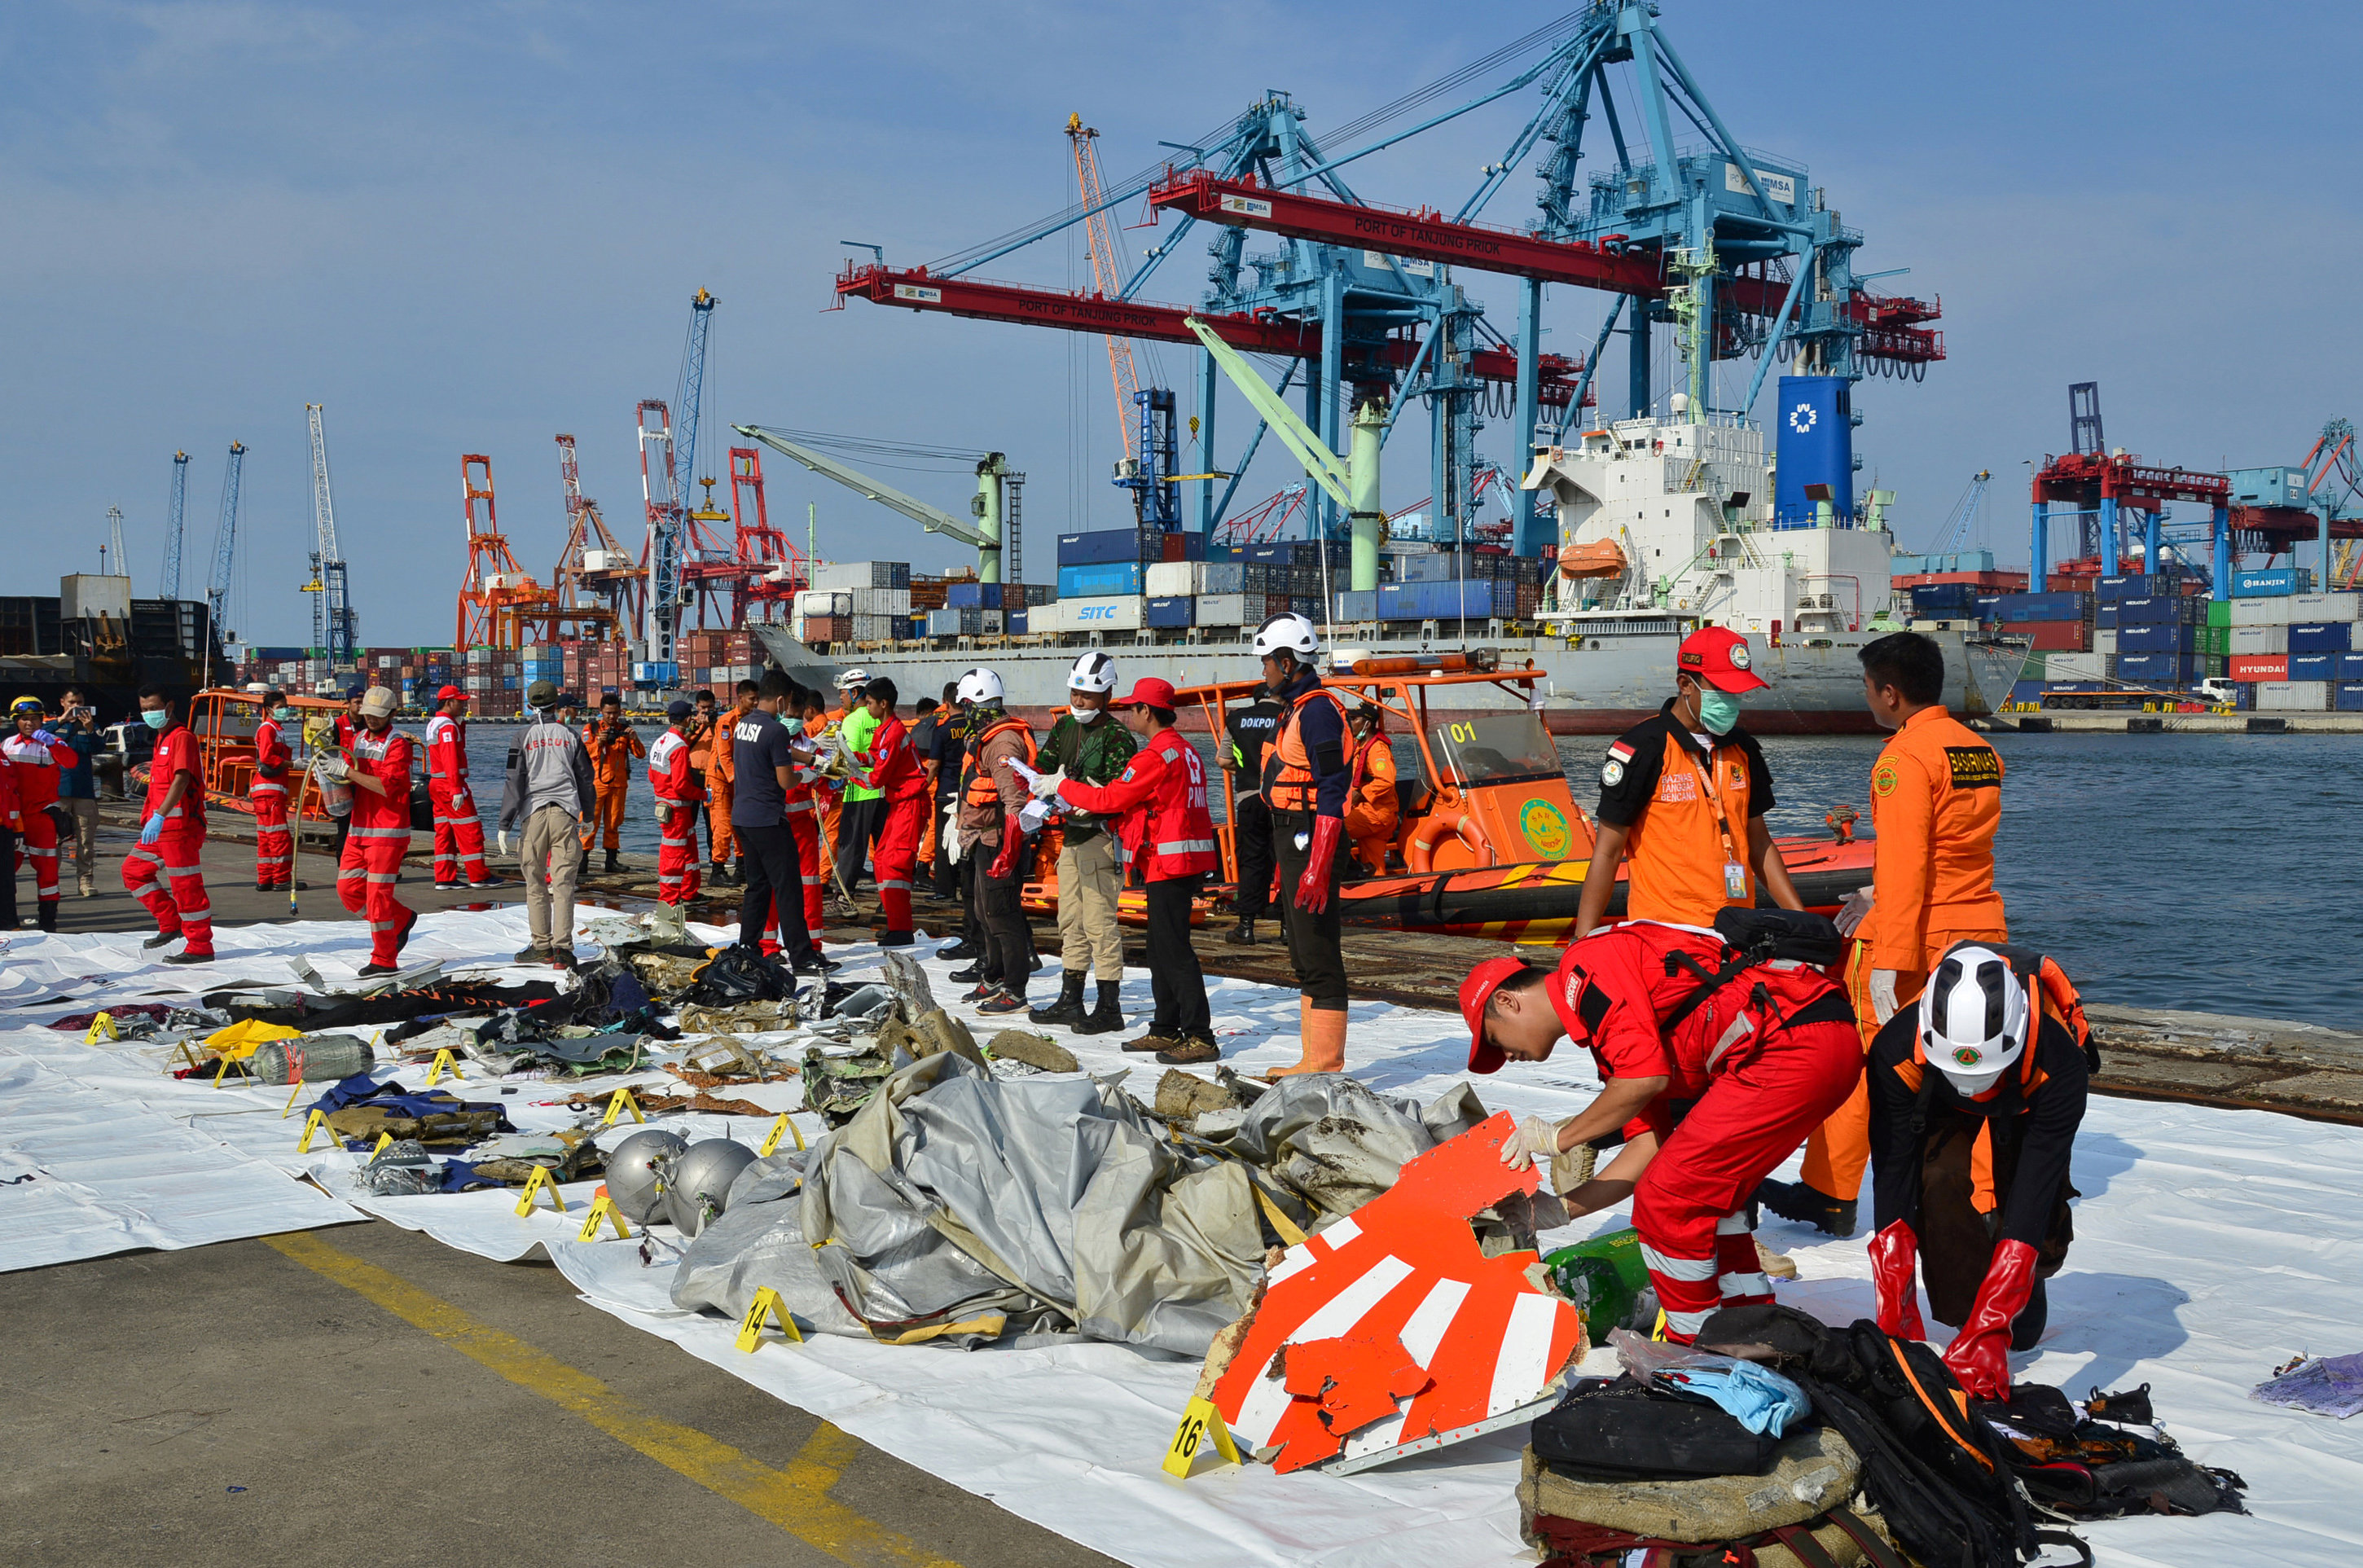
(377, 703)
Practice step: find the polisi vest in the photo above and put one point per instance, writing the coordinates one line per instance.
(979, 790)
(1289, 783)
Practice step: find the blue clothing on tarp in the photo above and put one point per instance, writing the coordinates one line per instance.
(1755, 1396)
(361, 1089)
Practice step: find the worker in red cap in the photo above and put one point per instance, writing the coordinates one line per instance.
(459, 835)
(1682, 799)
(1715, 1064)
(1161, 795)
(679, 794)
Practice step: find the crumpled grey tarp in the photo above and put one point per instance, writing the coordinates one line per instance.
(967, 1207)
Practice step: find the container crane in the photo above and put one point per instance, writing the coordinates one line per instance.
(1960, 523)
(495, 587)
(775, 570)
(661, 552)
(225, 545)
(992, 475)
(1107, 275)
(333, 626)
(596, 578)
(175, 516)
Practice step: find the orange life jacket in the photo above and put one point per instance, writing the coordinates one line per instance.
(1292, 784)
(979, 788)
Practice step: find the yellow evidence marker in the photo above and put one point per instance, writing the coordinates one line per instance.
(1200, 1420)
(767, 1304)
(541, 1182)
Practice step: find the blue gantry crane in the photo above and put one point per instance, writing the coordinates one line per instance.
(1675, 219)
(176, 513)
(672, 537)
(225, 547)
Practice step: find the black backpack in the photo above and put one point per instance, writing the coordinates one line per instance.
(1618, 1429)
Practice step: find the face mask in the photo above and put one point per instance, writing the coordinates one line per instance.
(793, 726)
(1085, 715)
(283, 714)
(1718, 711)
(156, 716)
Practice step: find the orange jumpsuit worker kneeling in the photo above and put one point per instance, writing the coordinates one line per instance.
(1936, 801)
(1716, 1065)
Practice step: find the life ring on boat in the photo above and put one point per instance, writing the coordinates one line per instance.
(1419, 853)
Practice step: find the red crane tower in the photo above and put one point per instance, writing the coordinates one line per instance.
(772, 570)
(496, 588)
(596, 578)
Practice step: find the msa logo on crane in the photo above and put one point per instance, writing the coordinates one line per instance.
(1247, 207)
(924, 296)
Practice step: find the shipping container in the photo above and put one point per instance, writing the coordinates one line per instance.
(2173, 671)
(2321, 637)
(2214, 640)
(2351, 666)
(972, 595)
(2325, 607)
(1016, 623)
(1179, 544)
(849, 574)
(881, 628)
(823, 602)
(1358, 604)
(1114, 580)
(2156, 636)
(2055, 636)
(2105, 639)
(2013, 609)
(1471, 599)
(1048, 619)
(1225, 609)
(2293, 696)
(2314, 666)
(943, 623)
(2278, 582)
(1172, 613)
(1120, 612)
(1174, 579)
(2160, 608)
(2266, 612)
(2076, 666)
(2349, 696)
(1111, 546)
(2260, 666)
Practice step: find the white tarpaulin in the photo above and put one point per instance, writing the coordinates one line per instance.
(2210, 1247)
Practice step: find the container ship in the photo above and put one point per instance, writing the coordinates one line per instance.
(93, 637)
(1665, 525)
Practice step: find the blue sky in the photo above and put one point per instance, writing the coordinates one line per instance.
(464, 227)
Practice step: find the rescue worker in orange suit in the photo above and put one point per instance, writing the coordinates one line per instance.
(612, 744)
(1682, 800)
(274, 760)
(1936, 800)
(378, 767)
(890, 766)
(1707, 1107)
(674, 783)
(719, 772)
(172, 837)
(1976, 1094)
(1373, 812)
(458, 834)
(1161, 795)
(1307, 776)
(36, 761)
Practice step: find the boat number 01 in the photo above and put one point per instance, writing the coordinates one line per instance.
(1460, 734)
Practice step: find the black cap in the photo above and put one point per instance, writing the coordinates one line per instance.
(679, 707)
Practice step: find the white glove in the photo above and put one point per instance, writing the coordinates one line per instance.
(334, 768)
(501, 839)
(1852, 912)
(1536, 1139)
(1882, 993)
(1046, 785)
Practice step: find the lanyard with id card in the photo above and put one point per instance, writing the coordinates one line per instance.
(1735, 873)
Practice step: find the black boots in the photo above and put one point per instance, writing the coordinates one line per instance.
(1106, 1017)
(614, 865)
(1068, 1010)
(1241, 935)
(46, 911)
(1809, 1206)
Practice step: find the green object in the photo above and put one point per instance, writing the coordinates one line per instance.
(861, 727)
(2216, 641)
(1606, 1278)
(2219, 612)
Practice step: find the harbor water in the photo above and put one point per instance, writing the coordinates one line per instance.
(2213, 872)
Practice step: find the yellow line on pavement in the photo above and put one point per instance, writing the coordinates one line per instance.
(794, 1498)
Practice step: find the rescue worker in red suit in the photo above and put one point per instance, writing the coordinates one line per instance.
(274, 848)
(172, 837)
(9, 823)
(1162, 795)
(674, 783)
(1976, 1095)
(378, 767)
(1716, 1068)
(34, 760)
(458, 834)
(890, 766)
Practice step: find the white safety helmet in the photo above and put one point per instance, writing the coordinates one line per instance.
(852, 679)
(1288, 630)
(979, 685)
(1974, 1018)
(1094, 672)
